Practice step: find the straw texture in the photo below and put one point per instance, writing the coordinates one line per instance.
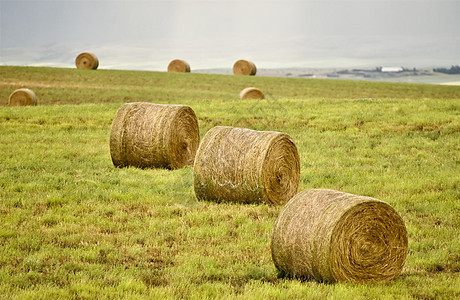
(251, 93)
(87, 61)
(331, 236)
(22, 97)
(244, 67)
(246, 166)
(178, 65)
(151, 135)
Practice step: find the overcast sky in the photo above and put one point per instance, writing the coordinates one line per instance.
(215, 33)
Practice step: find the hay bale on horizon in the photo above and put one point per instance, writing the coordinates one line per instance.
(246, 166)
(244, 67)
(330, 236)
(251, 93)
(22, 97)
(87, 61)
(148, 135)
(178, 65)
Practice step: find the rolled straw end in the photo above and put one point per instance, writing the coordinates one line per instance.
(251, 93)
(178, 65)
(246, 166)
(331, 236)
(148, 135)
(22, 97)
(87, 61)
(244, 67)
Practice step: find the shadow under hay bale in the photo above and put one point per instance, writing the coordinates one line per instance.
(22, 97)
(244, 67)
(330, 236)
(148, 135)
(251, 93)
(87, 61)
(178, 65)
(246, 166)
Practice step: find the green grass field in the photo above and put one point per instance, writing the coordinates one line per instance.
(74, 226)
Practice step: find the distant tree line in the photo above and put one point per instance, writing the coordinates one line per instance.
(452, 70)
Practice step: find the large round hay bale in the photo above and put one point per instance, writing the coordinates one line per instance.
(251, 93)
(22, 97)
(178, 65)
(246, 166)
(331, 236)
(244, 67)
(87, 61)
(148, 135)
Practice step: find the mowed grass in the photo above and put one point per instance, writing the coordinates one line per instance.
(74, 226)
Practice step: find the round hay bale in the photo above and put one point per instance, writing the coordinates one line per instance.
(22, 97)
(331, 236)
(87, 61)
(178, 65)
(246, 166)
(244, 67)
(251, 93)
(148, 135)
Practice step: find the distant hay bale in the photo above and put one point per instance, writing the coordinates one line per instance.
(244, 67)
(87, 61)
(251, 93)
(331, 236)
(22, 97)
(246, 166)
(178, 65)
(148, 135)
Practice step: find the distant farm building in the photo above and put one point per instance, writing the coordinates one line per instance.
(392, 69)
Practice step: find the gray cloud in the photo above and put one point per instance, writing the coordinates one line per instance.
(145, 34)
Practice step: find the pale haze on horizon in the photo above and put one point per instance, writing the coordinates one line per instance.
(146, 35)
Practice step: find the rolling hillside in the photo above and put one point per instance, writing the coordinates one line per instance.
(74, 226)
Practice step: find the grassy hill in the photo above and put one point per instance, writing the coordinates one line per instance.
(72, 225)
(72, 86)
